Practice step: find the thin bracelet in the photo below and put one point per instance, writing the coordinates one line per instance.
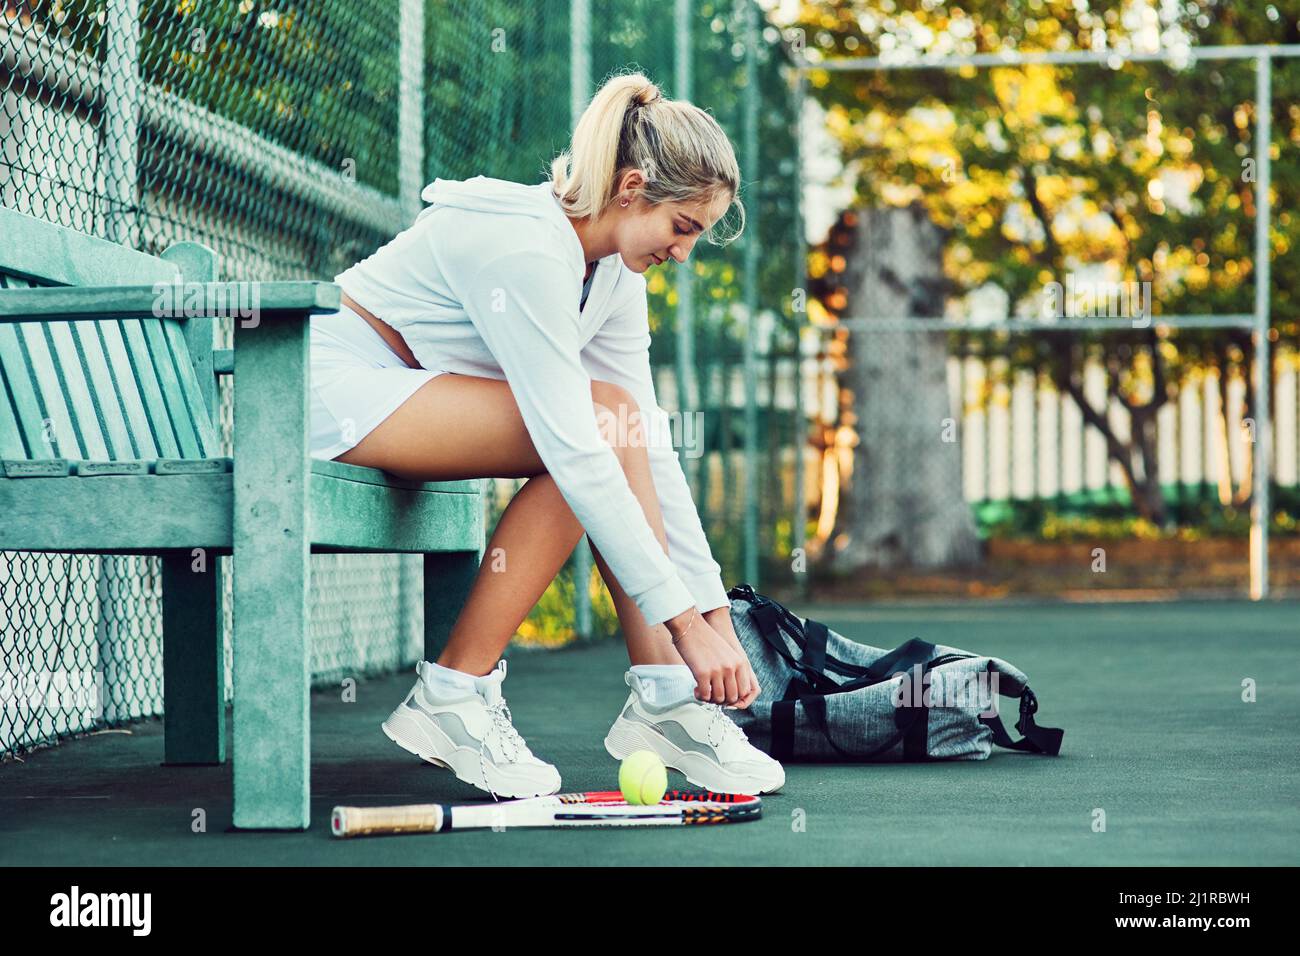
(688, 627)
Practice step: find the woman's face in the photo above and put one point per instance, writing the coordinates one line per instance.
(651, 235)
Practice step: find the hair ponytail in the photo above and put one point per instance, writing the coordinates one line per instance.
(684, 153)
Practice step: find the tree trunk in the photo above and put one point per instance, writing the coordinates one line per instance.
(903, 503)
(1148, 496)
(1141, 450)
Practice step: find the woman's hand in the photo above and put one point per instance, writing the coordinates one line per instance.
(718, 663)
(720, 620)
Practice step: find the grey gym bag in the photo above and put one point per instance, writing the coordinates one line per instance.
(827, 698)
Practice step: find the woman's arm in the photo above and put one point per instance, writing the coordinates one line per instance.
(525, 306)
(720, 620)
(620, 353)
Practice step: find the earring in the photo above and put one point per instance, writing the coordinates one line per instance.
(624, 202)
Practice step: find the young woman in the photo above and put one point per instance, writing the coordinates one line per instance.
(505, 334)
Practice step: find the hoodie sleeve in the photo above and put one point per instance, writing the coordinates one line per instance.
(620, 353)
(531, 324)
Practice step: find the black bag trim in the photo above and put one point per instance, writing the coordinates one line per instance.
(765, 616)
(916, 740)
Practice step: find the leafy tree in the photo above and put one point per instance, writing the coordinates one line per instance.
(1039, 171)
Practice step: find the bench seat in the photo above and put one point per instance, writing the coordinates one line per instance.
(353, 509)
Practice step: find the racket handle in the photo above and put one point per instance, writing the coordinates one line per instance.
(371, 821)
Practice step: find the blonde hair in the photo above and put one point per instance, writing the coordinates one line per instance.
(681, 149)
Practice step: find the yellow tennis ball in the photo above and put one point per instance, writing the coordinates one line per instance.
(643, 778)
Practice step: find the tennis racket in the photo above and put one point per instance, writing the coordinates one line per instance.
(595, 808)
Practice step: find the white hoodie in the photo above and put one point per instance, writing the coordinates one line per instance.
(487, 282)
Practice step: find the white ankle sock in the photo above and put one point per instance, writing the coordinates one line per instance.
(665, 683)
(448, 679)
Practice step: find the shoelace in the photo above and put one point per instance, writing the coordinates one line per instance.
(728, 728)
(503, 723)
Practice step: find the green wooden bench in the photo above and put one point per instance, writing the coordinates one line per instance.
(108, 440)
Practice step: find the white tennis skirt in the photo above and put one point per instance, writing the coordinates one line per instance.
(356, 381)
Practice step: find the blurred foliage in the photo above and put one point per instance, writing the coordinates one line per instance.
(1196, 513)
(1040, 169)
(551, 623)
(496, 88)
(1115, 172)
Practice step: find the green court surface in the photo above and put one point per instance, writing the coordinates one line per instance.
(1150, 697)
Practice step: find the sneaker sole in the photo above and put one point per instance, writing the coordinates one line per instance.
(429, 743)
(625, 738)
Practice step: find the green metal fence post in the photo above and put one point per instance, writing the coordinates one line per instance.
(750, 167)
(579, 94)
(799, 537)
(410, 183)
(120, 78)
(410, 120)
(121, 81)
(1262, 464)
(688, 399)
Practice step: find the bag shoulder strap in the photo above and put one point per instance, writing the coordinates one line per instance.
(814, 651)
(902, 658)
(810, 637)
(765, 616)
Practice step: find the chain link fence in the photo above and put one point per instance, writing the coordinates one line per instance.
(293, 139)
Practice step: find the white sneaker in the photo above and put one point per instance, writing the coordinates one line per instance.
(470, 733)
(695, 738)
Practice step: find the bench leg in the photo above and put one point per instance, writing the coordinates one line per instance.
(272, 565)
(272, 672)
(448, 576)
(194, 679)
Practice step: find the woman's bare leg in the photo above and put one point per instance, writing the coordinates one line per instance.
(540, 505)
(466, 426)
(452, 427)
(533, 538)
(645, 644)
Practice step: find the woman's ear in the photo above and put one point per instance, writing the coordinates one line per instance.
(634, 180)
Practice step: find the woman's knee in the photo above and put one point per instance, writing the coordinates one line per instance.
(618, 416)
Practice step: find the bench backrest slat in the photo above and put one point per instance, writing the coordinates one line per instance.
(21, 391)
(108, 389)
(11, 442)
(170, 383)
(116, 431)
(75, 387)
(119, 361)
(150, 389)
(199, 420)
(40, 364)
